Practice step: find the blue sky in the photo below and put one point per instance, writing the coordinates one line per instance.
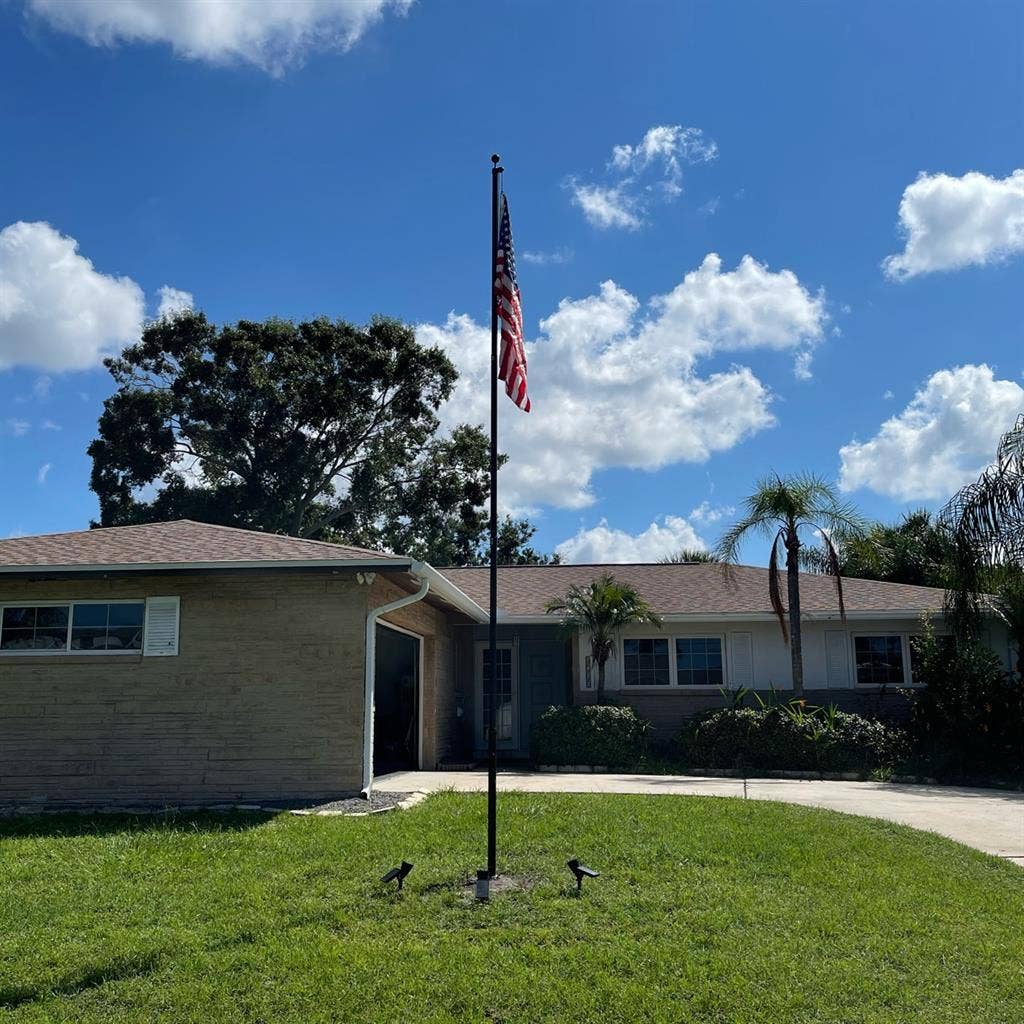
(335, 161)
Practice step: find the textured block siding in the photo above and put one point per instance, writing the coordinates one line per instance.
(263, 701)
(440, 697)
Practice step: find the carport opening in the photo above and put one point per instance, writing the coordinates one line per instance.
(396, 725)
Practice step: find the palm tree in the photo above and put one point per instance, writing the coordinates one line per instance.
(985, 520)
(784, 508)
(601, 609)
(688, 555)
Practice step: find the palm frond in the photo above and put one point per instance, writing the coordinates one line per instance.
(834, 568)
(775, 588)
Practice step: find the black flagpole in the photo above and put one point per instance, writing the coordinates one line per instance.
(492, 721)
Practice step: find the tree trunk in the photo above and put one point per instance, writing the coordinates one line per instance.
(600, 682)
(793, 590)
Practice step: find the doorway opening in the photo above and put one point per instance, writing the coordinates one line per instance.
(396, 720)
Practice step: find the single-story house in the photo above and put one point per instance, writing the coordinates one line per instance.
(183, 663)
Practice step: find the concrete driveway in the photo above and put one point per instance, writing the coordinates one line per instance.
(991, 820)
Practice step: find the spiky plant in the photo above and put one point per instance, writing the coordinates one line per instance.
(685, 555)
(784, 509)
(600, 610)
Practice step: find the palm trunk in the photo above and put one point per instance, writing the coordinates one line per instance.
(600, 682)
(793, 590)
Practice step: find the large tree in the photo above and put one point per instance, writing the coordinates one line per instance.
(783, 510)
(317, 429)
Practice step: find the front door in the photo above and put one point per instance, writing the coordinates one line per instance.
(506, 696)
(543, 681)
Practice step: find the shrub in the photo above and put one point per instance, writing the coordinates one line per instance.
(792, 737)
(969, 719)
(593, 734)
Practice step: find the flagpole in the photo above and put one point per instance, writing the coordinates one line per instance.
(492, 721)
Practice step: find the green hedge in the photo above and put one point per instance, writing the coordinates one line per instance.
(792, 738)
(591, 734)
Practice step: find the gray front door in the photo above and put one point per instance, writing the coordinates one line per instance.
(543, 681)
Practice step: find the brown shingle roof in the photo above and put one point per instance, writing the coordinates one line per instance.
(689, 589)
(181, 542)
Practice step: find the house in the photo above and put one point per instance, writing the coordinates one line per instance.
(183, 663)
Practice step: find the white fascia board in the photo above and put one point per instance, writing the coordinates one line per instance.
(277, 563)
(533, 620)
(441, 586)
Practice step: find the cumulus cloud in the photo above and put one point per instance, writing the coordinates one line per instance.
(616, 384)
(173, 300)
(604, 207)
(57, 312)
(272, 34)
(637, 174)
(940, 441)
(951, 223)
(603, 544)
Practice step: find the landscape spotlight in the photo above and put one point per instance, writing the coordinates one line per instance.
(483, 885)
(581, 871)
(398, 873)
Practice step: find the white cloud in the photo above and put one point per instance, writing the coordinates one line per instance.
(802, 365)
(940, 441)
(56, 311)
(173, 300)
(49, 425)
(706, 513)
(615, 384)
(607, 207)
(554, 256)
(888, 394)
(710, 208)
(638, 173)
(951, 223)
(44, 472)
(17, 428)
(272, 34)
(603, 544)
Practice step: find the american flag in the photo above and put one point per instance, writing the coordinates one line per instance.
(512, 360)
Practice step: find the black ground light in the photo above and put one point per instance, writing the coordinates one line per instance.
(398, 873)
(581, 871)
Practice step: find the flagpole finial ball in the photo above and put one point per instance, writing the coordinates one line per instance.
(495, 158)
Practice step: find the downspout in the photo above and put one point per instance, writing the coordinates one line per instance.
(370, 671)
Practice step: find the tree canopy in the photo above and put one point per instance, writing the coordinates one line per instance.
(319, 429)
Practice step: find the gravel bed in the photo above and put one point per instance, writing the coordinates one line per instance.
(357, 805)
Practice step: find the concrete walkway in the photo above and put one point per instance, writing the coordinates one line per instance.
(989, 819)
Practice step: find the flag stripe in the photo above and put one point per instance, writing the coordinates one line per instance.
(512, 360)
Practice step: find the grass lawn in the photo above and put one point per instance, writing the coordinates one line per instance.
(707, 910)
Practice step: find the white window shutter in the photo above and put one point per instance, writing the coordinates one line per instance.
(837, 658)
(161, 627)
(741, 661)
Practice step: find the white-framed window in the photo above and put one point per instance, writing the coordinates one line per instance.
(699, 661)
(77, 627)
(677, 661)
(880, 659)
(645, 661)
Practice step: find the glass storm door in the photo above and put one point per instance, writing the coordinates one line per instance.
(506, 696)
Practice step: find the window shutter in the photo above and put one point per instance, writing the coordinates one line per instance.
(837, 658)
(161, 627)
(741, 660)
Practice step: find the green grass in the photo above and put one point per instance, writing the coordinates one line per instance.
(706, 910)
